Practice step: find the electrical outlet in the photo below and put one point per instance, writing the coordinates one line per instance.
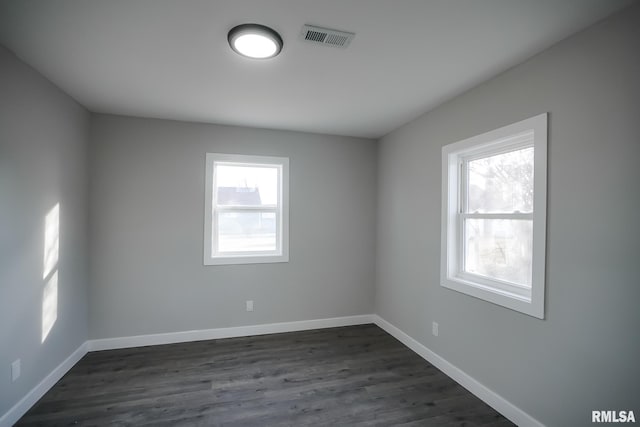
(15, 370)
(434, 329)
(249, 305)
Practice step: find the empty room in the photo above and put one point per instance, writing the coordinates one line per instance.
(317, 213)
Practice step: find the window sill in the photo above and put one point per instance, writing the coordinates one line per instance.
(248, 259)
(496, 296)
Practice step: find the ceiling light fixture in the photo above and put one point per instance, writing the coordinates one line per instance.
(255, 41)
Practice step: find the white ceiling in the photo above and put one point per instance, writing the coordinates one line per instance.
(170, 58)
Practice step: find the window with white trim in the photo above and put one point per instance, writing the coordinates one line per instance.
(494, 216)
(246, 209)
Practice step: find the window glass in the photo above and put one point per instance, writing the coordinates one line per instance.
(246, 185)
(499, 249)
(501, 183)
(246, 231)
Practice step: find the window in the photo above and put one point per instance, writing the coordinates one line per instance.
(494, 215)
(246, 209)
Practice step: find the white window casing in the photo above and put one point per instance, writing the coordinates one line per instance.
(524, 296)
(246, 248)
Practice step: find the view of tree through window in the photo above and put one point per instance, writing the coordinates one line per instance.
(501, 183)
(499, 247)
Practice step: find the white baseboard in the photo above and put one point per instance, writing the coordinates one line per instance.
(237, 331)
(491, 398)
(24, 404)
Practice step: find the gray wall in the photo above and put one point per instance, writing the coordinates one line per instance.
(147, 219)
(43, 136)
(584, 355)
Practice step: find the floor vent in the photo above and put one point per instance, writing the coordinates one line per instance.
(326, 36)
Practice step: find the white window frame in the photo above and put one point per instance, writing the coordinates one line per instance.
(526, 133)
(281, 254)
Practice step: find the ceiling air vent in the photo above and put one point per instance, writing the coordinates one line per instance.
(326, 36)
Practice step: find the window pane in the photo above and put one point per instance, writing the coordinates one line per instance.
(501, 183)
(499, 249)
(246, 231)
(246, 185)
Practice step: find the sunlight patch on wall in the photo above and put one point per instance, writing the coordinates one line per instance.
(51, 240)
(50, 270)
(49, 305)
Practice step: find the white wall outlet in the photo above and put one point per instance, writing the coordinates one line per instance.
(15, 370)
(249, 305)
(434, 329)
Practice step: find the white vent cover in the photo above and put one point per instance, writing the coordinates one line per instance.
(326, 36)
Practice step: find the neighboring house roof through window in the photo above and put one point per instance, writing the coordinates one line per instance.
(239, 196)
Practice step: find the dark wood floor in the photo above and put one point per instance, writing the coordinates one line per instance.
(356, 375)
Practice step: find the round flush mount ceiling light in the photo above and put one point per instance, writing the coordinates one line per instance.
(255, 41)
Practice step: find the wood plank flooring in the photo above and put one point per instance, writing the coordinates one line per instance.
(357, 375)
